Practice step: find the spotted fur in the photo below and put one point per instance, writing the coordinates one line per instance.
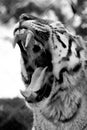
(54, 65)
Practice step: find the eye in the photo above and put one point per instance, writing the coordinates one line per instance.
(36, 48)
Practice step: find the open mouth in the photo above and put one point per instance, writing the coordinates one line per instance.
(37, 88)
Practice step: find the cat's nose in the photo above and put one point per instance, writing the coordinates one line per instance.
(25, 17)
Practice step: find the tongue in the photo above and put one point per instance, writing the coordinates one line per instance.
(36, 82)
(37, 79)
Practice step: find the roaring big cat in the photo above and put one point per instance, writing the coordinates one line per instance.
(54, 71)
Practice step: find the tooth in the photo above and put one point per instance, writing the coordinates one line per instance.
(16, 38)
(14, 42)
(22, 31)
(24, 93)
(28, 94)
(28, 38)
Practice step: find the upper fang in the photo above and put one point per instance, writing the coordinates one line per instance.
(28, 38)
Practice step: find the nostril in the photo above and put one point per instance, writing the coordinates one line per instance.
(27, 17)
(24, 17)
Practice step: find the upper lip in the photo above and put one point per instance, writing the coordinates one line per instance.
(19, 28)
(22, 25)
(24, 31)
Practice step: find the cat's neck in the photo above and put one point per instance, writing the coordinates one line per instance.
(41, 123)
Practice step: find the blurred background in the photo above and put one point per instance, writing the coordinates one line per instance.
(72, 13)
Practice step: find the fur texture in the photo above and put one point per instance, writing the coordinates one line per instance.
(54, 65)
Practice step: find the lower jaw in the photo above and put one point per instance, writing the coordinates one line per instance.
(43, 92)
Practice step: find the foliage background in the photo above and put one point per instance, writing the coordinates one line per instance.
(14, 115)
